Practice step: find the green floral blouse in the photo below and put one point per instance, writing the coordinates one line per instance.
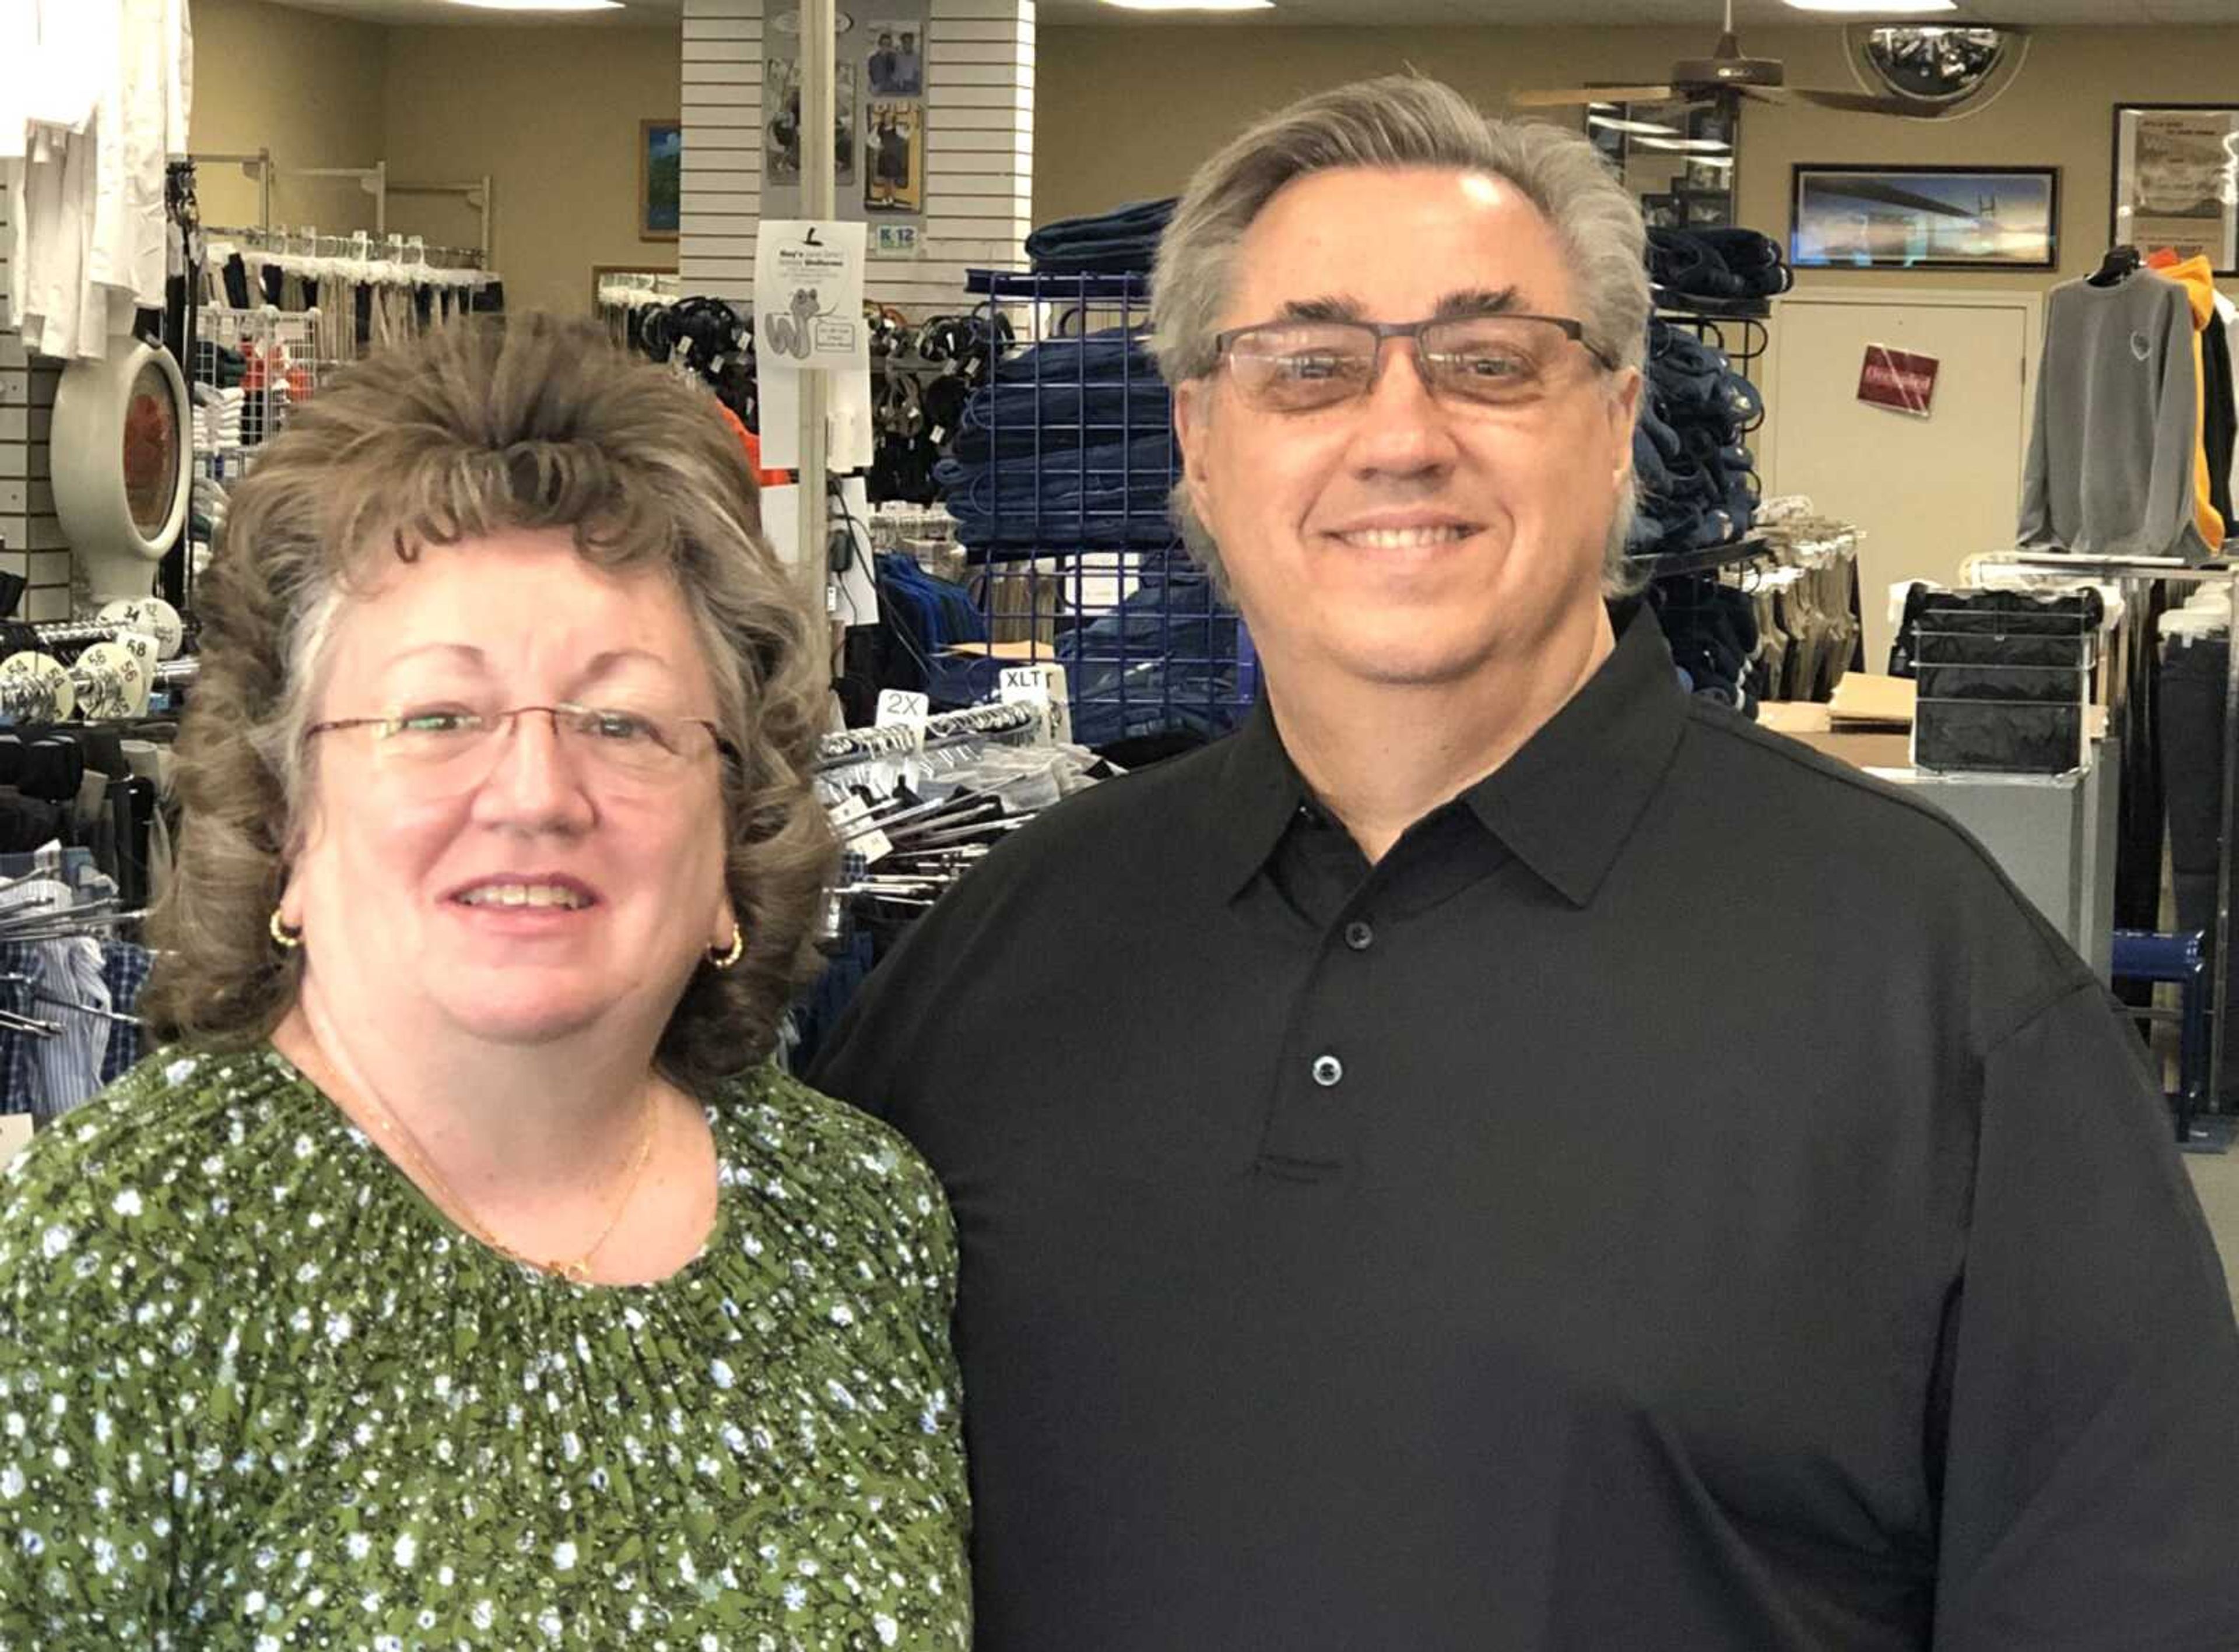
(256, 1392)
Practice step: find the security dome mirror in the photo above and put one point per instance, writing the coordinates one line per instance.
(1958, 68)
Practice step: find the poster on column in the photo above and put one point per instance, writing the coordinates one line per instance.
(883, 84)
(781, 123)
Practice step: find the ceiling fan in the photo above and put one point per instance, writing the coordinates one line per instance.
(1727, 72)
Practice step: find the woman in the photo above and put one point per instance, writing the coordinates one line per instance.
(442, 1286)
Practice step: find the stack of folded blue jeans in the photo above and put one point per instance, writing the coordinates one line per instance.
(1719, 264)
(1165, 660)
(1121, 241)
(1069, 446)
(1712, 631)
(1698, 483)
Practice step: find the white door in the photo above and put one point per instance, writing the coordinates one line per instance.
(1929, 492)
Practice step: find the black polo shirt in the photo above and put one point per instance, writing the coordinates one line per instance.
(1683, 1197)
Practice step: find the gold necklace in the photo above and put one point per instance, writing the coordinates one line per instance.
(576, 1272)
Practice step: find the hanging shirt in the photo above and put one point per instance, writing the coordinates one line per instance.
(93, 96)
(2116, 423)
(2212, 418)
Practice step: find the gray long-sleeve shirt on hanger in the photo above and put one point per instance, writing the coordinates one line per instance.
(2118, 421)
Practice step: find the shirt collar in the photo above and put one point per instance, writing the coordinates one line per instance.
(1566, 804)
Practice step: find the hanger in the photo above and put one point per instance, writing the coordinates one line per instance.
(2118, 267)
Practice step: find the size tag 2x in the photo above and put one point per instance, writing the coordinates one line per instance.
(848, 821)
(900, 708)
(1041, 686)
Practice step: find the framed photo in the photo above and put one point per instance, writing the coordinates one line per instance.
(1704, 208)
(2176, 180)
(1924, 217)
(893, 154)
(660, 180)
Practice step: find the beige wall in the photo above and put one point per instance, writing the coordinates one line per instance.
(307, 87)
(552, 115)
(1122, 114)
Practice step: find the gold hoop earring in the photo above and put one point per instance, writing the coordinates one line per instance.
(738, 949)
(285, 938)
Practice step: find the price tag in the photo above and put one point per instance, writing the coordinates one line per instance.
(1043, 687)
(848, 820)
(900, 708)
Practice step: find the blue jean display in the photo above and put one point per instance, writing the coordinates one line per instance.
(1164, 659)
(1109, 497)
(1070, 444)
(1029, 421)
(1697, 483)
(1124, 239)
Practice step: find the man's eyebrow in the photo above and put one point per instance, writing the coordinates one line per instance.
(1468, 300)
(1475, 301)
(1321, 310)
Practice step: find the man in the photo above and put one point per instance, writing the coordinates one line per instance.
(1497, 1154)
(882, 66)
(909, 72)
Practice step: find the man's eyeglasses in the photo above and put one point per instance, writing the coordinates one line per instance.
(450, 748)
(1487, 361)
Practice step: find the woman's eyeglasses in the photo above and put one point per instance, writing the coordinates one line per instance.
(453, 748)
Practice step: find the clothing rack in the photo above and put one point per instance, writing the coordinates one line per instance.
(950, 728)
(2134, 575)
(374, 180)
(408, 256)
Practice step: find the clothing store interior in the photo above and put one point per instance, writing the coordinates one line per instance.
(1889, 508)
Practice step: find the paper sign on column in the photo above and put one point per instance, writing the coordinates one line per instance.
(808, 317)
(14, 1135)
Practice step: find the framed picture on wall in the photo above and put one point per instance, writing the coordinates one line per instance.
(2176, 180)
(1924, 217)
(660, 180)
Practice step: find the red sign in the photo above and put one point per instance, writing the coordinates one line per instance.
(1898, 379)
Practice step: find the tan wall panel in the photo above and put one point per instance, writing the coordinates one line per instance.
(1097, 144)
(305, 86)
(552, 115)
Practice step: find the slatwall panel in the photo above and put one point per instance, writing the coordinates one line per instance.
(979, 114)
(36, 549)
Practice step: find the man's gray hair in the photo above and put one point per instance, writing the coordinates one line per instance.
(1399, 121)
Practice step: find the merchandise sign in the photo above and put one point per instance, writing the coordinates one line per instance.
(1042, 687)
(1899, 380)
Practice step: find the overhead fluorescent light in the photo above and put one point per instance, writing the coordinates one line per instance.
(1876, 8)
(1192, 6)
(541, 5)
(1696, 146)
(1649, 129)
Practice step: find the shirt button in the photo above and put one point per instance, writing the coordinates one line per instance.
(1328, 1071)
(1359, 936)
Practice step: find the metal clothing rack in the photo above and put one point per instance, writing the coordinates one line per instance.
(950, 728)
(2134, 574)
(374, 180)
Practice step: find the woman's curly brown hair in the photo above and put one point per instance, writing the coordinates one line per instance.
(535, 422)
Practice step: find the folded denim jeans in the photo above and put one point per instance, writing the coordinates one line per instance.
(1107, 357)
(1122, 241)
(1019, 421)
